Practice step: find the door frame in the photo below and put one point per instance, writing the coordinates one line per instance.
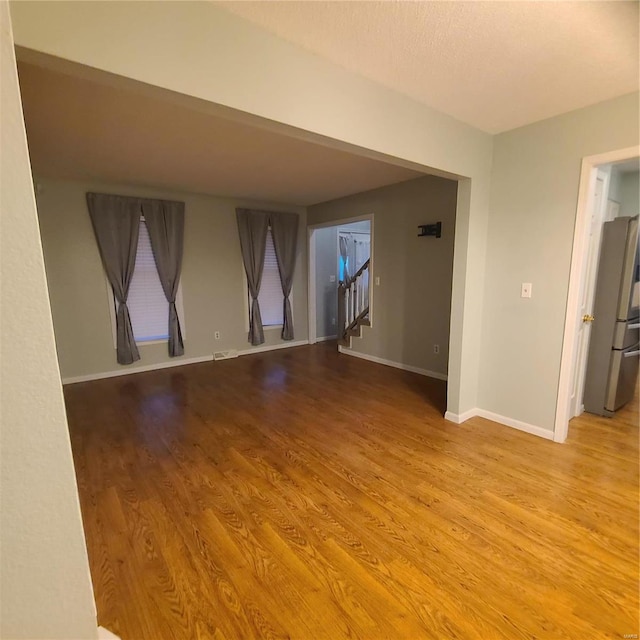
(311, 271)
(576, 276)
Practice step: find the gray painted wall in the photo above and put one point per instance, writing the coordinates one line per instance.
(213, 279)
(326, 291)
(630, 194)
(412, 305)
(534, 191)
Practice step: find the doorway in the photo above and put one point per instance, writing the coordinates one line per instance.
(599, 202)
(337, 250)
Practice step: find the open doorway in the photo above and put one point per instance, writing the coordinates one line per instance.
(600, 356)
(339, 270)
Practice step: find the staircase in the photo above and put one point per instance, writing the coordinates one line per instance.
(353, 306)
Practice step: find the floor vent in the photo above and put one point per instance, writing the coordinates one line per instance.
(225, 355)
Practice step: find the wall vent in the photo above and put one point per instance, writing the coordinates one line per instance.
(225, 355)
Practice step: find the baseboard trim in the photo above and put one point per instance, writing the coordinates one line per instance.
(325, 338)
(178, 363)
(504, 420)
(460, 418)
(143, 369)
(272, 347)
(391, 363)
(515, 424)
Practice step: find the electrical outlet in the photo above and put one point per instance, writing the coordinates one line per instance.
(333, 322)
(526, 290)
(436, 348)
(216, 335)
(332, 278)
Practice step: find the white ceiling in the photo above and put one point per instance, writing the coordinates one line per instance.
(83, 126)
(493, 65)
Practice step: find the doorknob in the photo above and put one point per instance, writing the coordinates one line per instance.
(588, 318)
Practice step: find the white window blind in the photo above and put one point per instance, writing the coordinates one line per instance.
(271, 298)
(148, 306)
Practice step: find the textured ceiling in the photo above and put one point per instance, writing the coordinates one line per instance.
(82, 129)
(494, 65)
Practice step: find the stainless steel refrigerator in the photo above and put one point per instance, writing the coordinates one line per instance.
(612, 364)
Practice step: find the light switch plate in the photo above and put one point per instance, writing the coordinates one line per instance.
(332, 278)
(526, 290)
(377, 281)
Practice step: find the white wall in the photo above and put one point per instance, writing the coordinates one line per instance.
(326, 291)
(411, 307)
(45, 583)
(536, 171)
(259, 75)
(213, 278)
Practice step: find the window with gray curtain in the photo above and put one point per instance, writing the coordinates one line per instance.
(154, 262)
(255, 228)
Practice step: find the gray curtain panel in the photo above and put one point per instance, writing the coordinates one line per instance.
(116, 223)
(165, 223)
(284, 229)
(252, 229)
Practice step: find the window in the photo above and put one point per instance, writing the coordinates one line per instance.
(148, 306)
(271, 298)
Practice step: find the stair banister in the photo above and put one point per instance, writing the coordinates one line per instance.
(353, 304)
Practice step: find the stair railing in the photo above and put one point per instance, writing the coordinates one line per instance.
(353, 300)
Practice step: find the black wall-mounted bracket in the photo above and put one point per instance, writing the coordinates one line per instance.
(430, 230)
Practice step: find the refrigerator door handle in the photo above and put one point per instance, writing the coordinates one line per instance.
(631, 354)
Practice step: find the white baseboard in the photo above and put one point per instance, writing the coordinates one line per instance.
(125, 372)
(459, 418)
(272, 347)
(105, 634)
(496, 417)
(390, 363)
(515, 424)
(325, 338)
(177, 363)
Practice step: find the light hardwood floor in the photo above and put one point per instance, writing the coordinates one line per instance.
(305, 494)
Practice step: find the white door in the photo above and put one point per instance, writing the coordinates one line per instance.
(587, 294)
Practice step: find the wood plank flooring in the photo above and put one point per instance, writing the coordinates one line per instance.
(305, 494)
